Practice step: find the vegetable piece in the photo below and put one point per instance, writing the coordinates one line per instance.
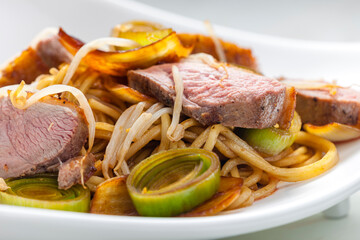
(136, 26)
(3, 185)
(335, 132)
(126, 93)
(25, 67)
(167, 49)
(112, 198)
(145, 38)
(173, 182)
(272, 141)
(43, 192)
(229, 190)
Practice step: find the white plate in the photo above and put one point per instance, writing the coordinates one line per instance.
(21, 20)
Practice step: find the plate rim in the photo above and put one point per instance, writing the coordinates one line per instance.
(222, 219)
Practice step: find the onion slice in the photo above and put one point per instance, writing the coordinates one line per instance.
(43, 192)
(335, 132)
(173, 182)
(112, 198)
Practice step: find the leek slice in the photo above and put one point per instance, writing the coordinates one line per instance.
(272, 141)
(173, 182)
(43, 192)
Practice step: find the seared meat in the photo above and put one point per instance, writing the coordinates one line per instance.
(70, 171)
(52, 52)
(35, 60)
(327, 105)
(242, 99)
(40, 136)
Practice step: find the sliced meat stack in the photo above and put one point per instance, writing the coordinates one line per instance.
(40, 137)
(230, 96)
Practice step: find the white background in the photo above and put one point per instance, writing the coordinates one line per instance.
(322, 20)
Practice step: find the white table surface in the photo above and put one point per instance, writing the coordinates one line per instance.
(323, 20)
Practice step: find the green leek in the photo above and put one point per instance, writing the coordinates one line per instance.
(43, 192)
(173, 182)
(272, 141)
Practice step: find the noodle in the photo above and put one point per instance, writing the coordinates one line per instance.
(175, 131)
(137, 129)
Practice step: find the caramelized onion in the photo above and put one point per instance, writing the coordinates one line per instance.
(335, 132)
(112, 198)
(229, 190)
(168, 49)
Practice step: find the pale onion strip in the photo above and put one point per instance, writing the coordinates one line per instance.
(93, 182)
(149, 135)
(144, 117)
(124, 168)
(155, 107)
(151, 121)
(91, 46)
(117, 135)
(3, 185)
(218, 47)
(55, 89)
(176, 131)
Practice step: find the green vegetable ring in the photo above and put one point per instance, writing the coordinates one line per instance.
(43, 192)
(173, 182)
